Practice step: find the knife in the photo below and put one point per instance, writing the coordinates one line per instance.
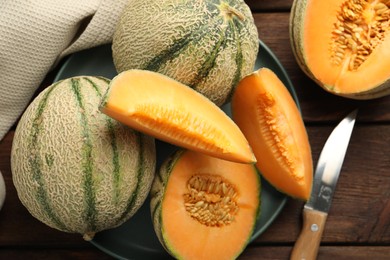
(326, 175)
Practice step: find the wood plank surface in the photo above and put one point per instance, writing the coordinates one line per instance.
(260, 253)
(325, 253)
(269, 5)
(89, 253)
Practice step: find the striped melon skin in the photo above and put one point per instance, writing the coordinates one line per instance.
(74, 168)
(207, 45)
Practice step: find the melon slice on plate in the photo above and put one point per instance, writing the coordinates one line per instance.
(269, 118)
(170, 111)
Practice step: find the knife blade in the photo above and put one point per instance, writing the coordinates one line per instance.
(326, 176)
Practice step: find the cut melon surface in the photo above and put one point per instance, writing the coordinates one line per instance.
(170, 111)
(204, 207)
(344, 45)
(269, 118)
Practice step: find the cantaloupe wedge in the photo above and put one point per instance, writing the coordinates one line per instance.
(173, 112)
(269, 118)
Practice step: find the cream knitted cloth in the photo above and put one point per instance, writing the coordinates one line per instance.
(36, 34)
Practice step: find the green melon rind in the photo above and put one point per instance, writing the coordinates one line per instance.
(380, 91)
(191, 41)
(157, 196)
(95, 183)
(257, 212)
(297, 21)
(296, 29)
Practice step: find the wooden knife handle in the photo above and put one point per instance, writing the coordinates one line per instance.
(308, 242)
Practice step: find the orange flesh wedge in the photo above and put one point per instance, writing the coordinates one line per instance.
(269, 118)
(187, 237)
(170, 111)
(319, 28)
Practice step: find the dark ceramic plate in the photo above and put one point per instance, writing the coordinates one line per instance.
(136, 239)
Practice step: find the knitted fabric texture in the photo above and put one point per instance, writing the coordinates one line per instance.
(36, 34)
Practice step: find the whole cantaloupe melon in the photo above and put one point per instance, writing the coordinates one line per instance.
(74, 168)
(207, 45)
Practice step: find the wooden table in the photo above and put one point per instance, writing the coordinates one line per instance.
(358, 225)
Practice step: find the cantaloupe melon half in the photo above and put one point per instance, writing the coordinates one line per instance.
(204, 207)
(268, 116)
(170, 111)
(344, 45)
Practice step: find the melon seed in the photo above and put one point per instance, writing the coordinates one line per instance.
(360, 27)
(211, 200)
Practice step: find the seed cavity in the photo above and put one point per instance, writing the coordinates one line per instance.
(277, 136)
(211, 200)
(178, 124)
(361, 26)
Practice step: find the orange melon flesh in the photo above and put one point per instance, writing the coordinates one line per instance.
(320, 17)
(188, 238)
(267, 115)
(170, 111)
